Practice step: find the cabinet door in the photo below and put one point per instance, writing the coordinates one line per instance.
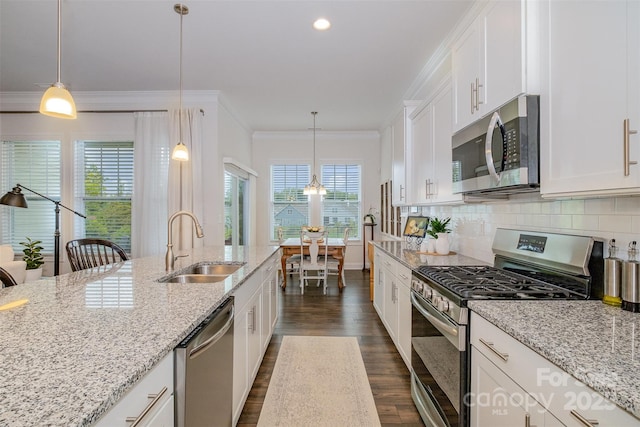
(404, 323)
(504, 62)
(442, 187)
(465, 56)
(496, 400)
(399, 194)
(391, 307)
(423, 154)
(164, 417)
(378, 290)
(587, 83)
(240, 360)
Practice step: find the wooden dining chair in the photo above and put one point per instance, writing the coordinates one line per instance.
(89, 253)
(316, 262)
(6, 278)
(293, 262)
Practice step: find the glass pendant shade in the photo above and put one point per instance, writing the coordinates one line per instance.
(180, 152)
(58, 102)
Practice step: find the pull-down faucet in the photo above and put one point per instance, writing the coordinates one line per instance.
(169, 258)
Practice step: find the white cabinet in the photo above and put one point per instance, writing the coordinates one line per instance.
(431, 157)
(150, 401)
(495, 59)
(591, 86)
(391, 300)
(401, 145)
(253, 327)
(502, 366)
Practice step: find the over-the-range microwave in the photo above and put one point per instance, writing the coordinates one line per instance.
(498, 154)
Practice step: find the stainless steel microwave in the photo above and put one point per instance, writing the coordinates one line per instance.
(499, 153)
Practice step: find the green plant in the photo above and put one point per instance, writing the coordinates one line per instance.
(437, 225)
(32, 253)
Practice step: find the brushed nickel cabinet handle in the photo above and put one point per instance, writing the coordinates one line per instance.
(585, 422)
(156, 397)
(490, 346)
(472, 98)
(626, 133)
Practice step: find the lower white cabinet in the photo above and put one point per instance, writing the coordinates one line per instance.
(149, 402)
(391, 300)
(508, 379)
(253, 327)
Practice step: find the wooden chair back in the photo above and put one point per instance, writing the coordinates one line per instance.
(6, 278)
(89, 253)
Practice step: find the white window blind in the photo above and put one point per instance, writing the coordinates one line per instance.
(342, 204)
(104, 185)
(289, 206)
(36, 165)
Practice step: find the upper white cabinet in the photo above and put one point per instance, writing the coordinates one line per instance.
(495, 59)
(431, 145)
(591, 88)
(401, 143)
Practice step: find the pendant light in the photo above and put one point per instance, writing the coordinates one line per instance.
(57, 101)
(180, 151)
(314, 186)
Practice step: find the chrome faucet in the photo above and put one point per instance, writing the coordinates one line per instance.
(169, 259)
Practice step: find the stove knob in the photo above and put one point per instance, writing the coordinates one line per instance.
(435, 300)
(443, 305)
(427, 292)
(417, 286)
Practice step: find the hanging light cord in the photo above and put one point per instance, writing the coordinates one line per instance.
(314, 142)
(59, 37)
(180, 110)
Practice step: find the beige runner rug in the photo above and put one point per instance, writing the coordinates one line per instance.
(319, 381)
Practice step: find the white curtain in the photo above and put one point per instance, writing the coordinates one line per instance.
(151, 168)
(185, 182)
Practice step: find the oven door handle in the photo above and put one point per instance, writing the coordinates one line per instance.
(432, 315)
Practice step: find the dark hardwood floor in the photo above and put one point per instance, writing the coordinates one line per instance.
(349, 313)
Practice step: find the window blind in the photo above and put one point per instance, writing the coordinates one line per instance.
(289, 205)
(342, 204)
(36, 165)
(104, 186)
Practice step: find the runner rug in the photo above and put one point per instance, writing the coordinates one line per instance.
(319, 381)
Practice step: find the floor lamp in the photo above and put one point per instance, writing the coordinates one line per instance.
(16, 198)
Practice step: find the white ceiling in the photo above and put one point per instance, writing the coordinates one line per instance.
(263, 55)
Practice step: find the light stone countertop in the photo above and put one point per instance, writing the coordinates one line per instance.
(84, 339)
(410, 257)
(596, 343)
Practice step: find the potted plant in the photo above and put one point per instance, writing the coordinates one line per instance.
(34, 259)
(439, 230)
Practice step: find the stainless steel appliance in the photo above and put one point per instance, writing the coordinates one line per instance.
(527, 265)
(204, 372)
(499, 153)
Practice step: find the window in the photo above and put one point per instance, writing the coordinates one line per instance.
(289, 206)
(36, 165)
(235, 209)
(104, 185)
(342, 204)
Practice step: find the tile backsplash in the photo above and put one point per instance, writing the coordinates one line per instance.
(474, 224)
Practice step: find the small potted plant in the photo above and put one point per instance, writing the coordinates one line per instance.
(34, 259)
(439, 230)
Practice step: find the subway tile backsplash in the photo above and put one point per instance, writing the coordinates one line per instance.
(474, 224)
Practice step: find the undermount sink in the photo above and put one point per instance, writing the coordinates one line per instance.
(209, 272)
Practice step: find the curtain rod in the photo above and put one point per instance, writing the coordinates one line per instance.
(98, 111)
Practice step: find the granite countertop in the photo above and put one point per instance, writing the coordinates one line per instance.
(84, 339)
(594, 342)
(412, 258)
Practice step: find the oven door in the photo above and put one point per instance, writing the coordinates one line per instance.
(439, 365)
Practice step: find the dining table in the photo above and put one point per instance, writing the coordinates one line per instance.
(292, 246)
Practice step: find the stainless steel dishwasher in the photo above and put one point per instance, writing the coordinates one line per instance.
(204, 372)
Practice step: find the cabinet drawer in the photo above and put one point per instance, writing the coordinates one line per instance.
(152, 392)
(569, 400)
(390, 264)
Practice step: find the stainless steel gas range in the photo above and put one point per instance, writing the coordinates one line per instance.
(527, 266)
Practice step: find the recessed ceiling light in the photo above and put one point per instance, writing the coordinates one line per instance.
(321, 24)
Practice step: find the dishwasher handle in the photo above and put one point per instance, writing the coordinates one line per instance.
(200, 348)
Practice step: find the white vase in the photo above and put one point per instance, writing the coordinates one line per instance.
(33, 274)
(442, 244)
(431, 245)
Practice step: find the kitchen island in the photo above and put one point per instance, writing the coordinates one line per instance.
(84, 339)
(593, 342)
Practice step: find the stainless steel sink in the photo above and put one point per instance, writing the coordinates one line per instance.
(208, 272)
(196, 278)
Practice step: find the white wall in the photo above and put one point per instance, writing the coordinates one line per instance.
(474, 225)
(331, 147)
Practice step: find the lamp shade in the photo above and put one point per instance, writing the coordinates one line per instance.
(58, 102)
(180, 152)
(14, 198)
